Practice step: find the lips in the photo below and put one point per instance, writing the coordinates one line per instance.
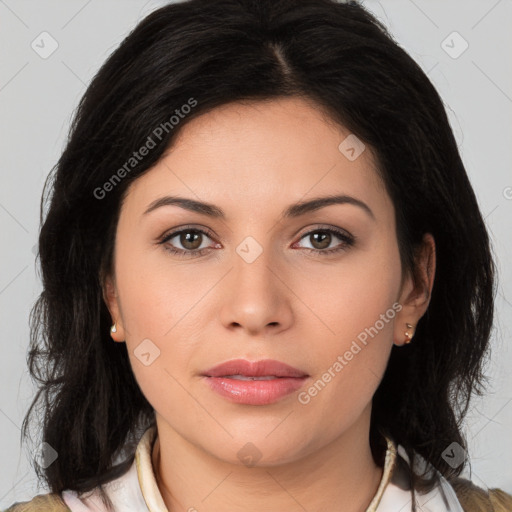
(254, 383)
(263, 368)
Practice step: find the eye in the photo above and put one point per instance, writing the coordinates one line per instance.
(323, 237)
(190, 239)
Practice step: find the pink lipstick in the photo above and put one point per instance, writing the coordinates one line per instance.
(254, 383)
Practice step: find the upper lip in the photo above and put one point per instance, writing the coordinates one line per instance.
(264, 367)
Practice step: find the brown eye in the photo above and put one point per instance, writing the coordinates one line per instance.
(190, 241)
(321, 239)
(185, 242)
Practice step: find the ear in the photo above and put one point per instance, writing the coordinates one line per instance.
(416, 291)
(111, 298)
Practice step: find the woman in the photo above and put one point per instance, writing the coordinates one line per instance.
(259, 293)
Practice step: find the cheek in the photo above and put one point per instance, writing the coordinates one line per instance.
(152, 296)
(350, 296)
(357, 304)
(159, 339)
(155, 310)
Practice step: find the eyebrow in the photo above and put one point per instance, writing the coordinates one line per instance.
(295, 210)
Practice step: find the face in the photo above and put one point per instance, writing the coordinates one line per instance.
(320, 290)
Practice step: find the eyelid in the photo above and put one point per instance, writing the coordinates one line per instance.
(191, 227)
(326, 227)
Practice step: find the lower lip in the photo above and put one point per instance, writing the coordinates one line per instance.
(255, 392)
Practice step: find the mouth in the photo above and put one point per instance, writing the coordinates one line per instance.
(263, 368)
(254, 383)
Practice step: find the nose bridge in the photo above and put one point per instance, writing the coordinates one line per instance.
(253, 265)
(256, 297)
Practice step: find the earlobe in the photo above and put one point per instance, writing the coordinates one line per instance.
(115, 336)
(111, 300)
(407, 335)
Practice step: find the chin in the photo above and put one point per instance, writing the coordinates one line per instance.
(259, 449)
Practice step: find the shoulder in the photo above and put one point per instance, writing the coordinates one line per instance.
(475, 499)
(50, 502)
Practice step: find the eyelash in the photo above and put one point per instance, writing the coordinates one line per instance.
(348, 241)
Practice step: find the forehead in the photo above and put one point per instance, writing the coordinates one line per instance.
(262, 155)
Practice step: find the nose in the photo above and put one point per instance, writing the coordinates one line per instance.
(256, 297)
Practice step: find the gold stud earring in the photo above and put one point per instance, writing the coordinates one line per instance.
(113, 328)
(408, 335)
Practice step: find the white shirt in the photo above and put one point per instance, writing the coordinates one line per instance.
(137, 490)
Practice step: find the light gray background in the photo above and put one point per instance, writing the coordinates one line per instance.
(38, 96)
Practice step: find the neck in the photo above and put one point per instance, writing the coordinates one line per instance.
(341, 475)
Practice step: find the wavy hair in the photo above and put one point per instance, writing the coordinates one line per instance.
(342, 58)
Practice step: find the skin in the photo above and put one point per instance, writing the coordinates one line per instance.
(253, 160)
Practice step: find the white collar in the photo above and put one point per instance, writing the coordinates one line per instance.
(397, 496)
(137, 489)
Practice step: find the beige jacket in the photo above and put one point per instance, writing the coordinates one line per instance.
(472, 499)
